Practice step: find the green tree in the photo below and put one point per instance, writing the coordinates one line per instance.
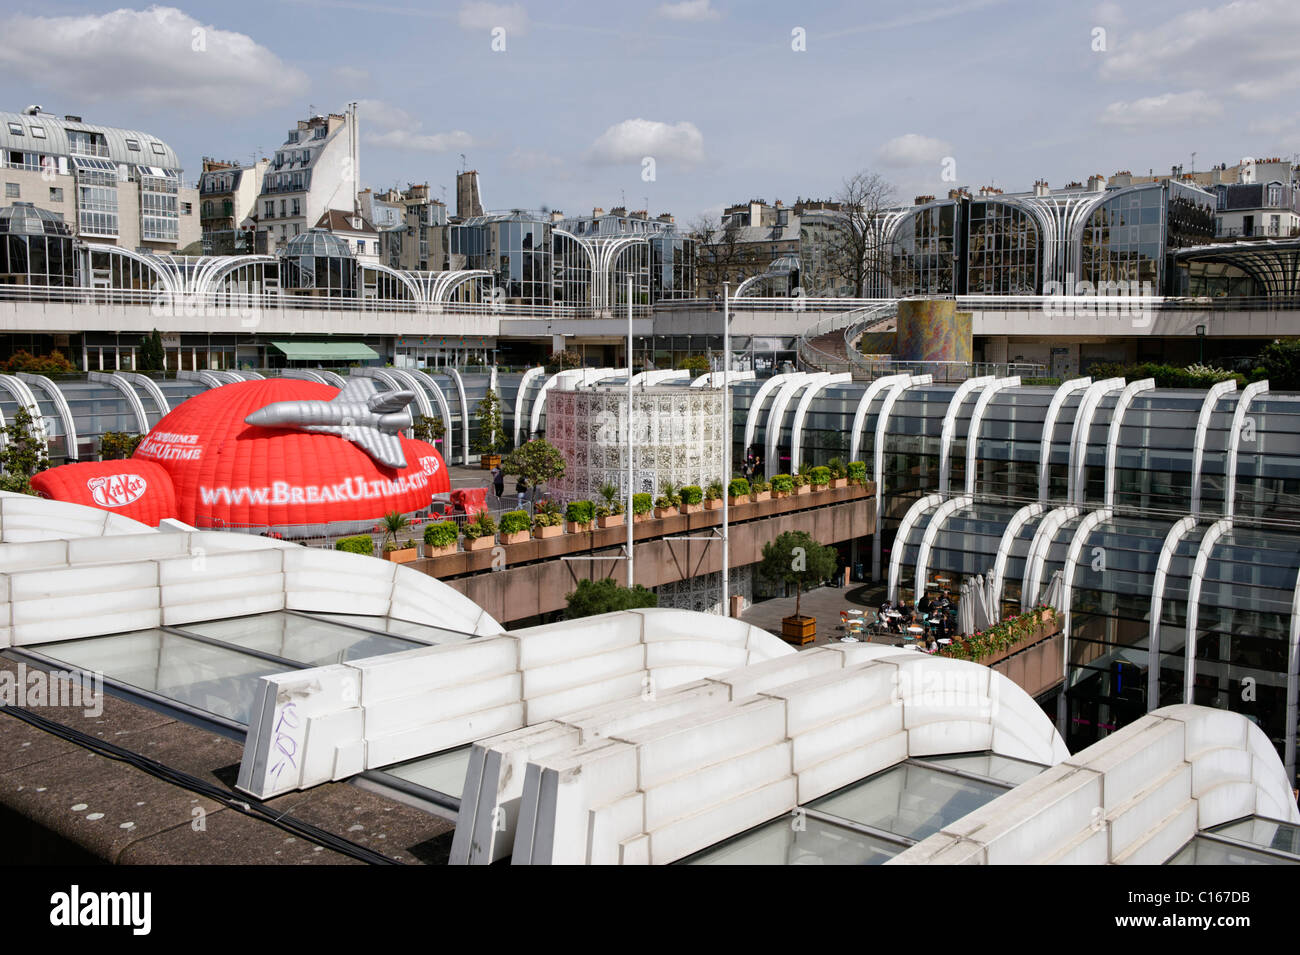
(428, 429)
(23, 455)
(562, 360)
(795, 558)
(605, 596)
(538, 462)
(492, 438)
(152, 357)
(1281, 363)
(696, 364)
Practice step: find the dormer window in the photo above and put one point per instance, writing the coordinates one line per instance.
(158, 149)
(16, 129)
(38, 132)
(133, 145)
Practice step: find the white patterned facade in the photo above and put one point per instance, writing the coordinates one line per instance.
(678, 435)
(703, 593)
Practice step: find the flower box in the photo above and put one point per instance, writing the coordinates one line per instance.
(737, 499)
(641, 518)
(780, 494)
(431, 551)
(839, 482)
(479, 543)
(665, 512)
(803, 489)
(403, 556)
(576, 528)
(713, 505)
(488, 461)
(542, 533)
(518, 537)
(612, 520)
(799, 630)
(761, 496)
(692, 508)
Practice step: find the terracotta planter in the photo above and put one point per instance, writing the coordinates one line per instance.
(542, 533)
(803, 489)
(799, 630)
(713, 505)
(780, 495)
(665, 512)
(692, 508)
(737, 499)
(761, 496)
(518, 537)
(576, 528)
(821, 487)
(403, 556)
(613, 520)
(839, 482)
(488, 461)
(431, 551)
(641, 518)
(478, 543)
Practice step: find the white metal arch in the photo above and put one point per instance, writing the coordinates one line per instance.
(23, 395)
(946, 510)
(399, 379)
(1003, 554)
(529, 375)
(1172, 540)
(1125, 398)
(1217, 530)
(1293, 684)
(1049, 428)
(878, 458)
(950, 425)
(566, 377)
(647, 379)
(1234, 444)
(60, 405)
(713, 379)
(206, 378)
(304, 374)
(150, 386)
(760, 397)
(169, 280)
(464, 413)
(606, 253)
(421, 400)
(448, 282)
(973, 431)
(115, 380)
(772, 437)
(1202, 430)
(403, 277)
(801, 412)
(914, 514)
(211, 273)
(864, 407)
(1086, 527)
(1079, 434)
(1045, 533)
(594, 376)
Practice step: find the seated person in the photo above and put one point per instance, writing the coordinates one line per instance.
(925, 604)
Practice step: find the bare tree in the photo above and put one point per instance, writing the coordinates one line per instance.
(854, 241)
(721, 250)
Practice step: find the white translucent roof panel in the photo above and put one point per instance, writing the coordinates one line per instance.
(301, 639)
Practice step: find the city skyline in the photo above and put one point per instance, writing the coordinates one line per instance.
(1154, 87)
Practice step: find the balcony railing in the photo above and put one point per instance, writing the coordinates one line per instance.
(99, 150)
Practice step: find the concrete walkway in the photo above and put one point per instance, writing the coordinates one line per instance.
(824, 603)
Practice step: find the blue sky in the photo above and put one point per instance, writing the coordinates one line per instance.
(713, 90)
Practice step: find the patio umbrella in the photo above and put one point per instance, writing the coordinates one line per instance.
(965, 610)
(991, 600)
(1054, 593)
(980, 610)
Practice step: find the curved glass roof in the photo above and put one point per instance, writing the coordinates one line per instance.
(23, 218)
(318, 242)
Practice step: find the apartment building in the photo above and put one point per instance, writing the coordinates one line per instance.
(228, 205)
(316, 169)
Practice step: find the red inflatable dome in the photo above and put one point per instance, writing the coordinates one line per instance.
(227, 472)
(140, 490)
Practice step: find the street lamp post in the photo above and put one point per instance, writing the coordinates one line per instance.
(727, 429)
(631, 578)
(1200, 338)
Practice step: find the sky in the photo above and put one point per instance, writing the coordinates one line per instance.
(682, 107)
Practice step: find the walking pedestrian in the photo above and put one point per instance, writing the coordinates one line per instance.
(521, 489)
(498, 482)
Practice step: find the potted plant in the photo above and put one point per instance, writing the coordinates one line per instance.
(666, 503)
(538, 462)
(491, 439)
(548, 521)
(820, 478)
(394, 522)
(641, 507)
(480, 533)
(802, 481)
(440, 538)
(610, 511)
(857, 473)
(401, 553)
(759, 490)
(692, 496)
(514, 527)
(356, 544)
(738, 491)
(782, 485)
(580, 515)
(839, 473)
(713, 495)
(796, 558)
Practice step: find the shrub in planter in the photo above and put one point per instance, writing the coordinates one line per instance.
(692, 496)
(839, 473)
(782, 485)
(360, 544)
(738, 491)
(800, 481)
(760, 490)
(666, 506)
(857, 472)
(480, 533)
(609, 512)
(440, 538)
(514, 527)
(547, 521)
(580, 515)
(820, 477)
(713, 495)
(641, 506)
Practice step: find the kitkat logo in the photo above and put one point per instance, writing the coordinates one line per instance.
(116, 490)
(429, 464)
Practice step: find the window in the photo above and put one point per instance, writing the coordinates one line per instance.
(56, 194)
(282, 212)
(297, 208)
(133, 145)
(270, 208)
(16, 129)
(11, 190)
(361, 246)
(158, 149)
(38, 131)
(187, 208)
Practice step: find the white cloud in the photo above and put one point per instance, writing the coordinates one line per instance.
(1247, 47)
(391, 127)
(696, 11)
(160, 57)
(489, 16)
(912, 149)
(1108, 14)
(533, 160)
(1168, 109)
(351, 74)
(633, 139)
